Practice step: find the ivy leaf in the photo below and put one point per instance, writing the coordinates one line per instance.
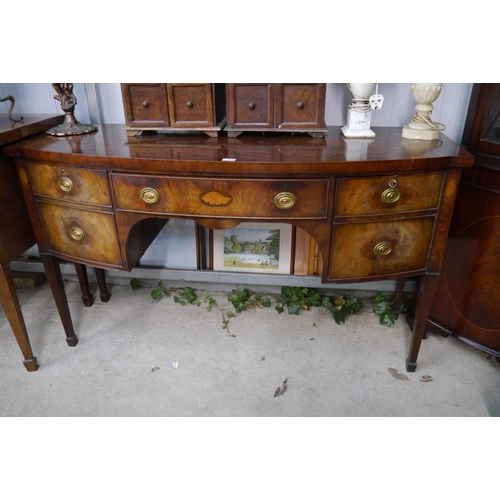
(135, 284)
(315, 300)
(156, 294)
(293, 309)
(279, 309)
(266, 303)
(388, 319)
(380, 308)
(326, 302)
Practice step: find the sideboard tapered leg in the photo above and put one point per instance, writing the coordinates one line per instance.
(54, 276)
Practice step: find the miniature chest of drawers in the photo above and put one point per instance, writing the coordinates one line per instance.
(174, 107)
(277, 107)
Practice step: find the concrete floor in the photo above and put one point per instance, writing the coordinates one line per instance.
(137, 357)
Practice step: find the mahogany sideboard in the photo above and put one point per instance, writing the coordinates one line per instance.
(16, 234)
(378, 208)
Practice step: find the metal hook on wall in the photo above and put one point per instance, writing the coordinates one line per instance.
(12, 103)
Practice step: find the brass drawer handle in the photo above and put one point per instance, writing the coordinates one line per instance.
(77, 234)
(189, 104)
(391, 195)
(382, 248)
(145, 103)
(251, 105)
(150, 195)
(66, 184)
(300, 105)
(284, 200)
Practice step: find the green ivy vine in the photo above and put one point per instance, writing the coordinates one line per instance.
(292, 299)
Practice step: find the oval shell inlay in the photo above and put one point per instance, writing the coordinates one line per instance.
(216, 199)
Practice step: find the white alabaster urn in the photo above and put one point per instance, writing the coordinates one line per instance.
(421, 126)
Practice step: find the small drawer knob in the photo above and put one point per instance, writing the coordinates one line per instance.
(150, 196)
(391, 195)
(284, 200)
(251, 105)
(66, 184)
(77, 234)
(145, 103)
(382, 248)
(189, 104)
(300, 105)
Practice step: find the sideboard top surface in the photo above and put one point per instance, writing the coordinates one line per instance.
(249, 154)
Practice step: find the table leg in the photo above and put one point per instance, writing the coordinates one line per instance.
(54, 276)
(12, 308)
(398, 295)
(101, 283)
(426, 288)
(81, 272)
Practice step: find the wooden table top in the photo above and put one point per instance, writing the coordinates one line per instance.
(250, 154)
(31, 124)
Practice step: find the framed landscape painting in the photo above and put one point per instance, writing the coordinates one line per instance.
(254, 248)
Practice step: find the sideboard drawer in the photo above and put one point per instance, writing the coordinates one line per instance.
(222, 197)
(388, 194)
(70, 183)
(83, 234)
(377, 249)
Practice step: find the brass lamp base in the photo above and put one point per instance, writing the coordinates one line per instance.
(70, 125)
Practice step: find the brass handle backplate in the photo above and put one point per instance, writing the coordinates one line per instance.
(150, 195)
(77, 234)
(382, 248)
(66, 184)
(284, 200)
(391, 195)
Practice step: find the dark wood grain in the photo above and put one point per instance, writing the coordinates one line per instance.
(220, 182)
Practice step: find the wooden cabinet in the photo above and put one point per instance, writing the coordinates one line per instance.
(174, 107)
(277, 107)
(467, 299)
(386, 216)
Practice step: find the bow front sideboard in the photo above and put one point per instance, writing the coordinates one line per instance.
(378, 208)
